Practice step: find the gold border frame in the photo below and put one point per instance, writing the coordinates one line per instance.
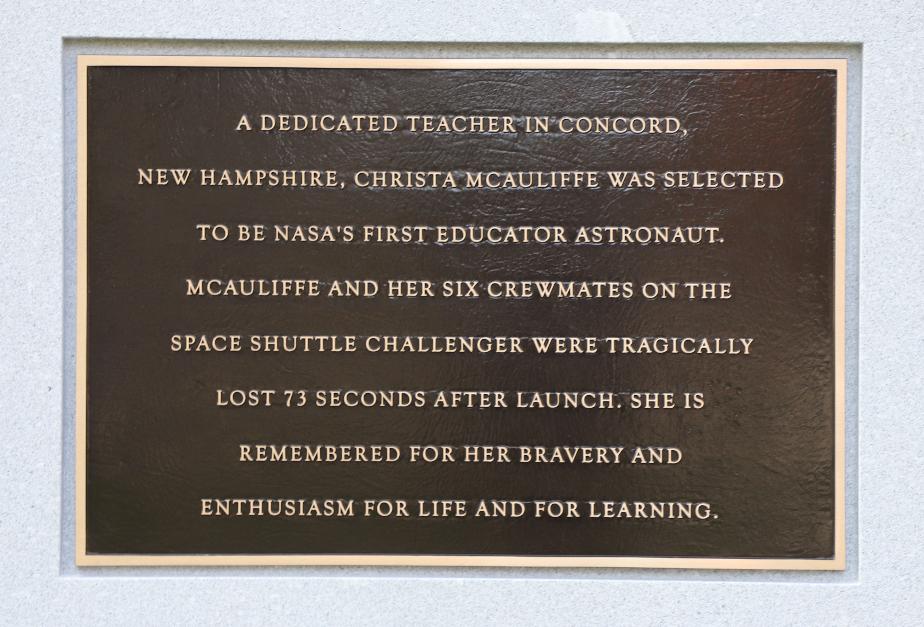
(838, 562)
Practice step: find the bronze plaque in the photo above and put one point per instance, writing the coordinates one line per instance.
(461, 312)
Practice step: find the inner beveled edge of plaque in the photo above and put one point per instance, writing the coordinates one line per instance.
(837, 562)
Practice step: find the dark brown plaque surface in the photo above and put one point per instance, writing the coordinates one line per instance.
(740, 330)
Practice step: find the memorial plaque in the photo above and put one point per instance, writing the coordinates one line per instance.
(461, 312)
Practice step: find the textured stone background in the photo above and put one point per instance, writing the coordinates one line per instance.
(40, 585)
